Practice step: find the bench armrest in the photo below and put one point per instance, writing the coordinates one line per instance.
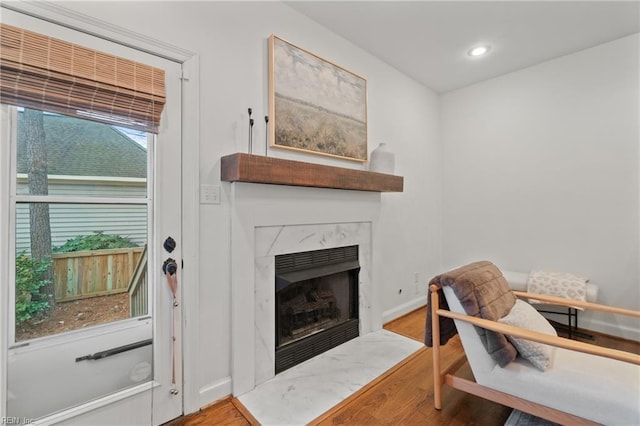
(543, 338)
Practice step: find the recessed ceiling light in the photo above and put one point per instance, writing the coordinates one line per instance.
(479, 50)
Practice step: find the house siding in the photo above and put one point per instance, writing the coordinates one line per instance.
(70, 220)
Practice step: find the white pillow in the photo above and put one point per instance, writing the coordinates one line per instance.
(524, 315)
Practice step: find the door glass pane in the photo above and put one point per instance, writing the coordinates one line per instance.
(78, 265)
(61, 155)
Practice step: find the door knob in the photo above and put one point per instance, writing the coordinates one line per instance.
(170, 266)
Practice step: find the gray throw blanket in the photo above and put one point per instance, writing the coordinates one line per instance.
(484, 293)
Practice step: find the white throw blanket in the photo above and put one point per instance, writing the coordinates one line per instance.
(559, 284)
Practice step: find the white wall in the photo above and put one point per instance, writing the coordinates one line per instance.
(230, 39)
(541, 171)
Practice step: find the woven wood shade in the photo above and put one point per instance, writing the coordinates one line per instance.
(48, 74)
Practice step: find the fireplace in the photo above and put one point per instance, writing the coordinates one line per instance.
(316, 303)
(301, 222)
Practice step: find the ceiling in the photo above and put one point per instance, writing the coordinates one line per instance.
(429, 40)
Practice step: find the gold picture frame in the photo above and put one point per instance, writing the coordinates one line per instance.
(315, 105)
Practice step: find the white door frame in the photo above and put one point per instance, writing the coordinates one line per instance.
(190, 181)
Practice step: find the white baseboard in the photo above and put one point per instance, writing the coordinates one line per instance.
(592, 321)
(617, 330)
(214, 392)
(403, 309)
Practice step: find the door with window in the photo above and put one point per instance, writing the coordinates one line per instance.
(92, 234)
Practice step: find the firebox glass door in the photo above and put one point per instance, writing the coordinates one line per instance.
(312, 306)
(316, 303)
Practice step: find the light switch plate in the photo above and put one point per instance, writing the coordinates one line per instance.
(209, 194)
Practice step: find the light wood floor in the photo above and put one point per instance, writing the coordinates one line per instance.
(404, 396)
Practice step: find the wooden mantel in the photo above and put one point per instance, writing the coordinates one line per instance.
(259, 169)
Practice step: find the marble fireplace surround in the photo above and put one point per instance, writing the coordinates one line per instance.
(267, 221)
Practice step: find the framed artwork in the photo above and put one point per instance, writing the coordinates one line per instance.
(314, 105)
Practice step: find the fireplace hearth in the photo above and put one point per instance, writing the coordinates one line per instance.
(316, 303)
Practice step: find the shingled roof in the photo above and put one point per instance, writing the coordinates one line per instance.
(85, 148)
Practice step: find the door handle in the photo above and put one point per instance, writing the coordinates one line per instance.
(115, 351)
(170, 266)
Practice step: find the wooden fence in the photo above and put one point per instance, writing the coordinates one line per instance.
(84, 274)
(139, 288)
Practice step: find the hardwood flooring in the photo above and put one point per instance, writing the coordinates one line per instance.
(403, 396)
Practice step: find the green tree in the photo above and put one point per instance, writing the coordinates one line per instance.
(40, 227)
(96, 241)
(30, 278)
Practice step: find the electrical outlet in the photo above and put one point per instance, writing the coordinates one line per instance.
(209, 194)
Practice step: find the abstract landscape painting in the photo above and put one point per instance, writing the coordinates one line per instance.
(315, 105)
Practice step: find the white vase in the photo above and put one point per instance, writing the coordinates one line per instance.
(382, 160)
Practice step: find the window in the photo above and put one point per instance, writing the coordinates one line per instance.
(76, 240)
